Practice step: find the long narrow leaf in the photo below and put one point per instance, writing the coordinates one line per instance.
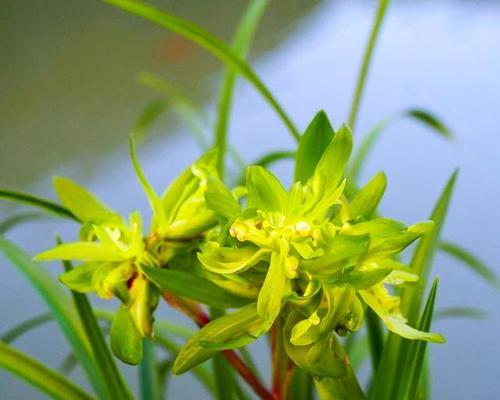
(460, 312)
(38, 202)
(367, 57)
(411, 375)
(471, 261)
(241, 44)
(60, 306)
(25, 326)
(191, 286)
(17, 219)
(394, 356)
(367, 144)
(34, 372)
(114, 383)
(210, 43)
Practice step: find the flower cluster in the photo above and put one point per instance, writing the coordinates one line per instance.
(308, 258)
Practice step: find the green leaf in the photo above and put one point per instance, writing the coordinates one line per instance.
(190, 112)
(126, 341)
(154, 201)
(148, 373)
(332, 163)
(368, 142)
(17, 219)
(460, 312)
(78, 200)
(312, 145)
(25, 326)
(115, 385)
(265, 191)
(411, 375)
(191, 286)
(430, 120)
(377, 228)
(52, 383)
(394, 357)
(241, 44)
(424, 253)
(471, 261)
(148, 116)
(220, 199)
(33, 201)
(210, 43)
(367, 57)
(60, 306)
(228, 328)
(366, 201)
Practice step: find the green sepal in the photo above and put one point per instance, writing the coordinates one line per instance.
(229, 260)
(126, 341)
(220, 199)
(312, 145)
(265, 191)
(79, 279)
(366, 201)
(334, 160)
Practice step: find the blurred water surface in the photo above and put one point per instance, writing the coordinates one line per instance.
(69, 99)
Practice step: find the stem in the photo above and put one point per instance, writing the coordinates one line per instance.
(194, 311)
(379, 17)
(375, 336)
(282, 367)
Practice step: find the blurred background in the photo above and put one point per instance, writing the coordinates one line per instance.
(70, 94)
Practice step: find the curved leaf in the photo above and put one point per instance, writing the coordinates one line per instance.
(34, 201)
(471, 261)
(241, 44)
(210, 43)
(60, 306)
(191, 286)
(37, 374)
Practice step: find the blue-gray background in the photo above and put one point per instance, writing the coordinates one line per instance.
(68, 98)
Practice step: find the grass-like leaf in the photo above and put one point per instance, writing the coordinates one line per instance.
(241, 44)
(47, 380)
(60, 306)
(11, 222)
(210, 43)
(25, 326)
(367, 144)
(148, 116)
(191, 113)
(114, 383)
(395, 354)
(188, 285)
(471, 261)
(416, 354)
(460, 312)
(30, 200)
(367, 57)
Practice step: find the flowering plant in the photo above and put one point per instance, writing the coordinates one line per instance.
(305, 266)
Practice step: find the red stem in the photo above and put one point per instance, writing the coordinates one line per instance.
(194, 311)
